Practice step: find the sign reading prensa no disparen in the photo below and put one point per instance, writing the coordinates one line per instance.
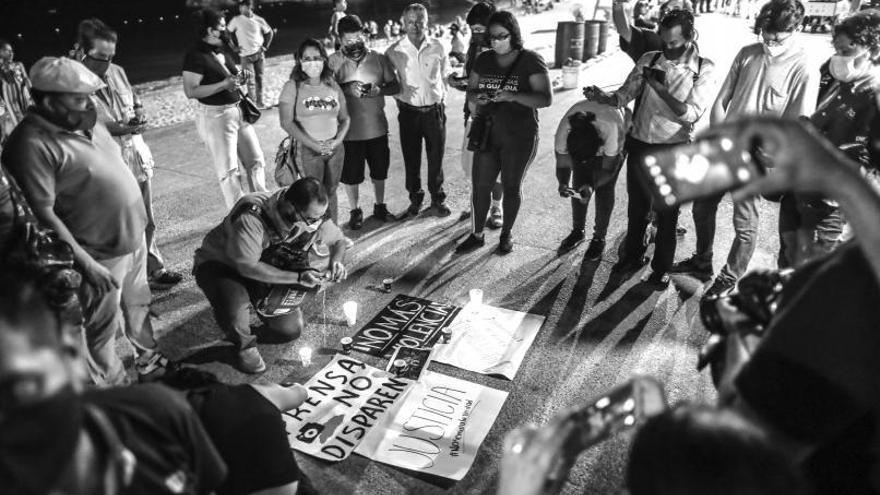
(405, 322)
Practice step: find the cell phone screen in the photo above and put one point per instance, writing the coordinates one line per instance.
(704, 168)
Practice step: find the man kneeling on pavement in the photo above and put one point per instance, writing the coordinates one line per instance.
(230, 270)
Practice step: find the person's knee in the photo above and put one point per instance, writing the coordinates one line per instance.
(288, 327)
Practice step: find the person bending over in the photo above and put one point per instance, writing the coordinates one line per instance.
(229, 270)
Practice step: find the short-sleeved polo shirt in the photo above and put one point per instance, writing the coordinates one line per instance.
(206, 60)
(611, 122)
(367, 115)
(242, 237)
(83, 178)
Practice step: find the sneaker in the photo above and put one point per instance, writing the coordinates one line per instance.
(696, 265)
(574, 238)
(150, 366)
(250, 361)
(356, 219)
(441, 208)
(719, 287)
(629, 264)
(465, 215)
(415, 205)
(596, 248)
(658, 280)
(381, 213)
(164, 279)
(496, 218)
(505, 244)
(471, 243)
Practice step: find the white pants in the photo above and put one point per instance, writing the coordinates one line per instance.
(229, 138)
(105, 312)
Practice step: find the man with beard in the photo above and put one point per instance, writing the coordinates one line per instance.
(73, 176)
(366, 77)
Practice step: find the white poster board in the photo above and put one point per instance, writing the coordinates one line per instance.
(437, 428)
(489, 340)
(347, 399)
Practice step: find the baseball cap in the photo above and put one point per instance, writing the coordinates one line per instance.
(63, 75)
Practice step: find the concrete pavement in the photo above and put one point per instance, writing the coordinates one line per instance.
(598, 331)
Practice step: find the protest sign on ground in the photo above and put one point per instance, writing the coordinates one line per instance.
(406, 322)
(489, 340)
(437, 428)
(347, 398)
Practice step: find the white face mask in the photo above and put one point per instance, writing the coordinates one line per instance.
(501, 47)
(844, 67)
(775, 50)
(313, 68)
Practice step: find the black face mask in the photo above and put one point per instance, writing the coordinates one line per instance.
(675, 53)
(480, 40)
(355, 51)
(96, 65)
(72, 120)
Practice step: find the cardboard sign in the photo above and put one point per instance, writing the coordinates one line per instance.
(416, 360)
(406, 322)
(489, 340)
(437, 428)
(346, 400)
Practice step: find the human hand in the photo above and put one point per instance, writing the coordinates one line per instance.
(802, 160)
(231, 83)
(565, 191)
(100, 277)
(537, 458)
(309, 278)
(337, 272)
(585, 192)
(504, 96)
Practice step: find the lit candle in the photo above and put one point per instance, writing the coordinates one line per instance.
(305, 355)
(350, 309)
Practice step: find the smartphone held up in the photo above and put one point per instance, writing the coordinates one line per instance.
(706, 167)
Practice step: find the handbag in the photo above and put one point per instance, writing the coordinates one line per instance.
(286, 169)
(481, 125)
(249, 111)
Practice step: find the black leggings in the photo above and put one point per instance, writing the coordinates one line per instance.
(509, 156)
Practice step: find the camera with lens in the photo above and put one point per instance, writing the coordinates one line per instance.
(756, 296)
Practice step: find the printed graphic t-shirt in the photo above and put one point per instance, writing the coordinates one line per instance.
(510, 117)
(316, 107)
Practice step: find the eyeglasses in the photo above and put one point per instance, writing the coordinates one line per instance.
(310, 222)
(499, 37)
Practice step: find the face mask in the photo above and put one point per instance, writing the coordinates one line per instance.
(501, 47)
(355, 51)
(674, 53)
(72, 120)
(98, 66)
(479, 39)
(777, 48)
(313, 68)
(843, 67)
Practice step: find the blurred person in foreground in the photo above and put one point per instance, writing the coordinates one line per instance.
(73, 176)
(230, 269)
(810, 225)
(121, 111)
(57, 438)
(812, 375)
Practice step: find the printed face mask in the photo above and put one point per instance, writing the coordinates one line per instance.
(355, 51)
(845, 68)
(313, 68)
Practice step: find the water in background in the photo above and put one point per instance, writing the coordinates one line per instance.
(154, 34)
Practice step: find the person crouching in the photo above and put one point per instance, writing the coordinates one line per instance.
(228, 267)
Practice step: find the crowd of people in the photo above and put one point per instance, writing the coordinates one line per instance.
(798, 409)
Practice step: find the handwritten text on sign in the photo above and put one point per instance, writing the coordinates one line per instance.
(406, 322)
(346, 399)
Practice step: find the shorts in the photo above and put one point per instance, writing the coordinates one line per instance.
(374, 151)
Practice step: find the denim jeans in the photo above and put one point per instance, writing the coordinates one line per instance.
(229, 138)
(326, 168)
(604, 199)
(704, 212)
(255, 63)
(230, 295)
(129, 304)
(746, 216)
(809, 227)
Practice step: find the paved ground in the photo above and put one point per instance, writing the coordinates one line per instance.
(598, 331)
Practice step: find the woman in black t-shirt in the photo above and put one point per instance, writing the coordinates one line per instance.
(508, 84)
(211, 76)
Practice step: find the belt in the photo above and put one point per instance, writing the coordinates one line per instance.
(413, 108)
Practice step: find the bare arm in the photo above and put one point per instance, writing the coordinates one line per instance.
(343, 118)
(621, 21)
(391, 83)
(193, 87)
(541, 95)
(719, 108)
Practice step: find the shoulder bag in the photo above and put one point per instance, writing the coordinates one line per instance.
(286, 169)
(481, 125)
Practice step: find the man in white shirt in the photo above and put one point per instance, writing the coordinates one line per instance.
(252, 37)
(422, 66)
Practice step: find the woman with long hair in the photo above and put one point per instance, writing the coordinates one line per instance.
(508, 84)
(313, 112)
